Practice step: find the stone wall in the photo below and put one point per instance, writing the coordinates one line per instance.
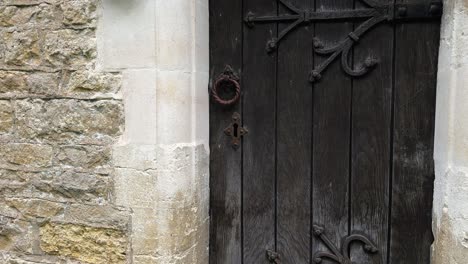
(59, 118)
(450, 219)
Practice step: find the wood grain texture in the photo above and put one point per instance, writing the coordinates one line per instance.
(331, 140)
(225, 170)
(259, 186)
(351, 155)
(413, 170)
(294, 141)
(371, 144)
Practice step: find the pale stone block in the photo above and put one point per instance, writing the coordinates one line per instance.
(127, 34)
(174, 107)
(202, 38)
(135, 189)
(139, 92)
(145, 228)
(139, 157)
(174, 35)
(201, 104)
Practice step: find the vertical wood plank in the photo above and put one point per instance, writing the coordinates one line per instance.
(294, 142)
(331, 139)
(225, 170)
(413, 169)
(371, 144)
(260, 144)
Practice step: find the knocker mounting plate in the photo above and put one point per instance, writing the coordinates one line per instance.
(373, 14)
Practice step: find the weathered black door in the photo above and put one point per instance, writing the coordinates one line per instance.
(327, 155)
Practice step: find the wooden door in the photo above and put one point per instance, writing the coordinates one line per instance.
(322, 122)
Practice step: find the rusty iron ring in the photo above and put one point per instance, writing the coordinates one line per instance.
(225, 78)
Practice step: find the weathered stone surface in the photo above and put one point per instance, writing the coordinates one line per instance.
(58, 118)
(97, 216)
(91, 83)
(69, 48)
(15, 235)
(13, 82)
(22, 48)
(26, 155)
(88, 244)
(60, 186)
(6, 117)
(69, 186)
(21, 84)
(35, 208)
(68, 121)
(28, 2)
(79, 12)
(35, 16)
(14, 182)
(21, 258)
(87, 157)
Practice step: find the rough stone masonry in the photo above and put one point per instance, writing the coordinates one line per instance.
(59, 118)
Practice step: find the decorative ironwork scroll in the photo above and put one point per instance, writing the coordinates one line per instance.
(373, 13)
(342, 256)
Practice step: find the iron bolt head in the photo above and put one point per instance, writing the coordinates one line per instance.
(402, 11)
(435, 9)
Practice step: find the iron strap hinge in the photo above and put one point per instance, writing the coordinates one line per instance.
(372, 13)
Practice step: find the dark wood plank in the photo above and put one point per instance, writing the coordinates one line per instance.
(259, 108)
(225, 242)
(294, 142)
(371, 144)
(331, 139)
(413, 169)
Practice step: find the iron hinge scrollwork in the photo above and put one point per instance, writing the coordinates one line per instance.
(336, 255)
(235, 130)
(373, 13)
(273, 257)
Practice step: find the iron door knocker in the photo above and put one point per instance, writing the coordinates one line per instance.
(227, 78)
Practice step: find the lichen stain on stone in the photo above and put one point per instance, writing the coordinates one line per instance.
(447, 249)
(87, 244)
(185, 222)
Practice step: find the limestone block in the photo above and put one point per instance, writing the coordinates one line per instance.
(22, 48)
(28, 2)
(83, 84)
(100, 216)
(87, 157)
(6, 117)
(14, 182)
(18, 258)
(145, 229)
(59, 186)
(67, 186)
(142, 185)
(18, 84)
(88, 244)
(16, 235)
(127, 34)
(27, 155)
(34, 208)
(79, 12)
(33, 17)
(69, 48)
(67, 121)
